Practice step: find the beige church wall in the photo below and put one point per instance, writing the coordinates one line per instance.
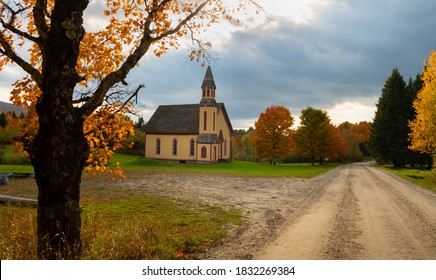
(222, 126)
(209, 120)
(211, 152)
(166, 147)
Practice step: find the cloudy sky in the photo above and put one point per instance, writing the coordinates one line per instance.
(333, 55)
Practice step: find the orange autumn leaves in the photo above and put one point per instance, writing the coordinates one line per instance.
(110, 50)
(273, 134)
(274, 137)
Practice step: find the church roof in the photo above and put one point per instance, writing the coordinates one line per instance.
(179, 119)
(208, 80)
(174, 119)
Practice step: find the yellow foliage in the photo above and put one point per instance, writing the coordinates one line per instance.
(423, 127)
(105, 130)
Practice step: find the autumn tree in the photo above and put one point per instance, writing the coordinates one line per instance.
(423, 127)
(273, 134)
(314, 135)
(71, 76)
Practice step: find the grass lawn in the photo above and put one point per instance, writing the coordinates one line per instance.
(300, 170)
(135, 163)
(419, 176)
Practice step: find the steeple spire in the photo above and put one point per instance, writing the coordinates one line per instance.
(208, 81)
(208, 89)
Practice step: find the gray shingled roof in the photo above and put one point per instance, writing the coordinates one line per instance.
(174, 119)
(207, 138)
(177, 119)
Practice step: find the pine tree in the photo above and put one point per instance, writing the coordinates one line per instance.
(389, 139)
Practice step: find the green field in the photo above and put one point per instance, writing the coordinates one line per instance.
(300, 170)
(135, 163)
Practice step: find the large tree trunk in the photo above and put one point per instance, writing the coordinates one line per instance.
(59, 150)
(59, 154)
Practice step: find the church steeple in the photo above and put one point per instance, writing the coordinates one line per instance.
(208, 87)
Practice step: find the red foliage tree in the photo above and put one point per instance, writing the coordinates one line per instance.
(273, 135)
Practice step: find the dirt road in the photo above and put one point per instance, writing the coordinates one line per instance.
(355, 211)
(358, 212)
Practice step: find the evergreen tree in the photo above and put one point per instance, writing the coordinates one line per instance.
(389, 138)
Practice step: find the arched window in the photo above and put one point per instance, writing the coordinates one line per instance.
(203, 152)
(192, 147)
(174, 147)
(158, 146)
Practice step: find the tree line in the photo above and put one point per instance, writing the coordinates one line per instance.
(316, 139)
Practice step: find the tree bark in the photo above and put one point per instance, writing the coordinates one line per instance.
(59, 153)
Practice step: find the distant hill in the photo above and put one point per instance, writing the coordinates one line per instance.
(8, 107)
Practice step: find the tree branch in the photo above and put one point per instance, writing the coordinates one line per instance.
(9, 52)
(17, 31)
(183, 22)
(39, 16)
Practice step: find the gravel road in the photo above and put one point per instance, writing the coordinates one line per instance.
(359, 212)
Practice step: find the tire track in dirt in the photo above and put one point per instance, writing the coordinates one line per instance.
(342, 244)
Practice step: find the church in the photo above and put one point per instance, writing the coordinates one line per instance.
(191, 133)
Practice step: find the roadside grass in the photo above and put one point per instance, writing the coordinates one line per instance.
(419, 176)
(146, 227)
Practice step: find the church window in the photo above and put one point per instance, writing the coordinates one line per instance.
(205, 121)
(225, 147)
(174, 147)
(192, 147)
(203, 152)
(158, 146)
(214, 121)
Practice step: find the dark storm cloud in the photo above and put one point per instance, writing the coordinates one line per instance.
(345, 54)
